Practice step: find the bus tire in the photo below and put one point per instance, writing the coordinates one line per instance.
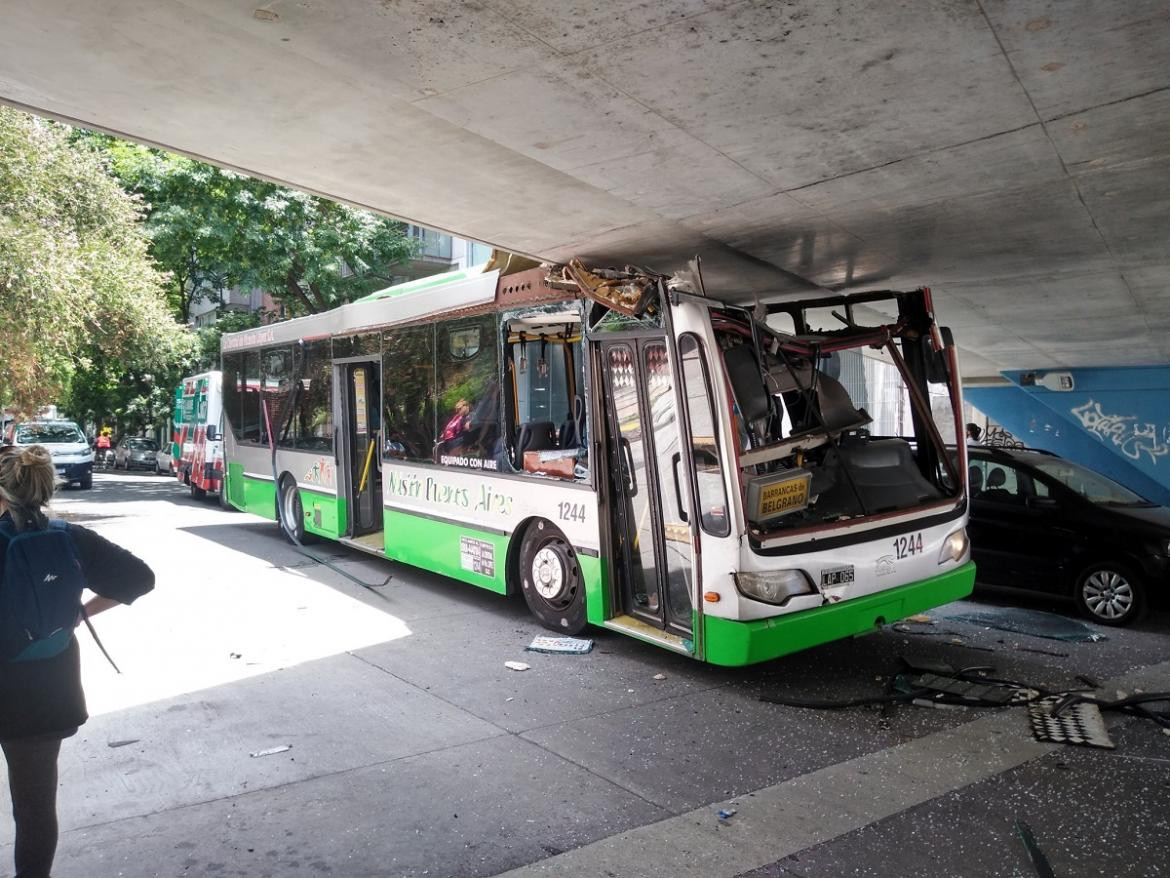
(551, 580)
(292, 513)
(224, 503)
(197, 492)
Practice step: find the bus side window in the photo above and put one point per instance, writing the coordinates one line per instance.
(705, 451)
(550, 428)
(314, 405)
(233, 365)
(250, 416)
(408, 402)
(467, 372)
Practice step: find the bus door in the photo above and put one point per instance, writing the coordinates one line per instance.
(647, 482)
(361, 475)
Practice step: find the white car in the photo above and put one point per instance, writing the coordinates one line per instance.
(163, 462)
(72, 456)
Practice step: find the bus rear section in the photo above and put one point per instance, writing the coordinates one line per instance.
(827, 497)
(200, 442)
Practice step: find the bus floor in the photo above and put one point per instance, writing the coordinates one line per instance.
(275, 719)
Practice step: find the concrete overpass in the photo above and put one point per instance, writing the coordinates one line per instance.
(1015, 155)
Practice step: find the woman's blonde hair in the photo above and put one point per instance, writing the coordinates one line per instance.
(27, 480)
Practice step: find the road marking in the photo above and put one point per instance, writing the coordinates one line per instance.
(796, 814)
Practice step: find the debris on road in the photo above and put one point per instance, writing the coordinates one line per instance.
(1040, 651)
(271, 751)
(516, 666)
(568, 645)
(725, 814)
(1060, 721)
(660, 676)
(1039, 861)
(1036, 623)
(124, 743)
(920, 618)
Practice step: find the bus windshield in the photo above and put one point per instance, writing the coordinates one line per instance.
(836, 423)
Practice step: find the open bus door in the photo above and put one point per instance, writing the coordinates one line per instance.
(653, 553)
(360, 475)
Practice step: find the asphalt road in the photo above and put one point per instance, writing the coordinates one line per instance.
(275, 719)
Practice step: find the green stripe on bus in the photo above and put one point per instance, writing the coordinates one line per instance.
(259, 496)
(598, 606)
(733, 643)
(330, 511)
(233, 484)
(413, 285)
(435, 545)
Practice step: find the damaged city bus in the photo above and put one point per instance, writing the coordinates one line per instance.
(621, 447)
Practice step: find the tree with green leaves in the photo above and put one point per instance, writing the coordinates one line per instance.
(214, 229)
(78, 289)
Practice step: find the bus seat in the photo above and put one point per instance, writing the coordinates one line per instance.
(837, 408)
(572, 432)
(744, 373)
(884, 474)
(535, 436)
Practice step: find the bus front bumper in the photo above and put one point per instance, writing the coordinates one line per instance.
(732, 643)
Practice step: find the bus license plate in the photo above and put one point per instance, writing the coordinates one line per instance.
(837, 575)
(786, 496)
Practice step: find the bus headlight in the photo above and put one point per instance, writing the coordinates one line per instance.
(774, 586)
(954, 547)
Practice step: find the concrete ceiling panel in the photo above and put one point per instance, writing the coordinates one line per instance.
(574, 25)
(1131, 206)
(965, 239)
(1121, 133)
(1043, 300)
(1074, 54)
(809, 90)
(853, 144)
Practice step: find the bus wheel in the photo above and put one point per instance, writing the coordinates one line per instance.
(292, 514)
(551, 578)
(197, 492)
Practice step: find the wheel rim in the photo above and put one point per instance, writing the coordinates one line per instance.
(291, 514)
(548, 574)
(1108, 594)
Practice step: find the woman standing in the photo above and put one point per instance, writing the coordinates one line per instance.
(41, 701)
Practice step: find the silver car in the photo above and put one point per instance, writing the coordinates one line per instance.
(136, 453)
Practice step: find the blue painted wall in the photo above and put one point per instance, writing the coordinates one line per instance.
(1115, 420)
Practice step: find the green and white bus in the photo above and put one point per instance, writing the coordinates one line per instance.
(623, 448)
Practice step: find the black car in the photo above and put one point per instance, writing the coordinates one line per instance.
(1044, 523)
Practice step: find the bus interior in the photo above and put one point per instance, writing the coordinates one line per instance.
(810, 453)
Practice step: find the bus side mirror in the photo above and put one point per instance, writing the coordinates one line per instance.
(212, 433)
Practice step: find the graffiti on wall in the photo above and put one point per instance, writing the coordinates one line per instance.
(1131, 438)
(998, 437)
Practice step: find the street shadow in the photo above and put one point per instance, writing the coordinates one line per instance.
(118, 488)
(263, 540)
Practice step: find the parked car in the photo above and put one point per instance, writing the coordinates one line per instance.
(72, 456)
(163, 461)
(1044, 523)
(135, 453)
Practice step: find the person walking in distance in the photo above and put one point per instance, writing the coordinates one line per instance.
(43, 567)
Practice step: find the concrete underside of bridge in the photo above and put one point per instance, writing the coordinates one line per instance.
(1015, 156)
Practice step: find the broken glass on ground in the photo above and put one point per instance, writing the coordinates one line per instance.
(1036, 623)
